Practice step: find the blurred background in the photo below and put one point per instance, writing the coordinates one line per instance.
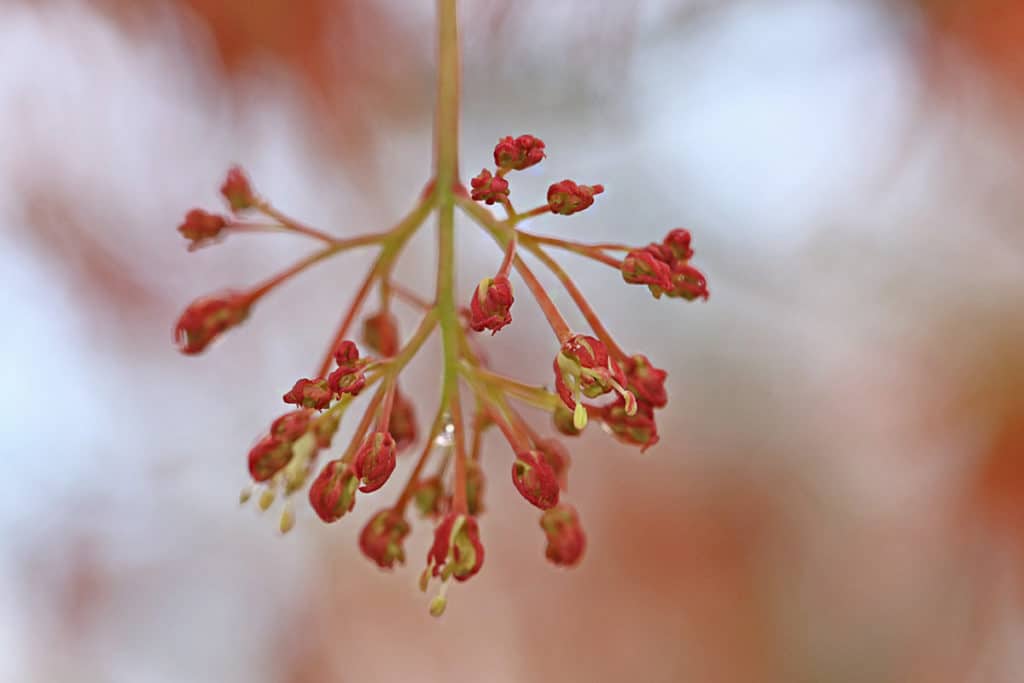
(839, 491)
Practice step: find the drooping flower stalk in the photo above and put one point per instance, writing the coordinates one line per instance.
(594, 379)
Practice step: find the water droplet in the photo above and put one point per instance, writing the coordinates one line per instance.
(446, 437)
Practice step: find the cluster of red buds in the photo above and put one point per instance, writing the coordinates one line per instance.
(586, 367)
(594, 379)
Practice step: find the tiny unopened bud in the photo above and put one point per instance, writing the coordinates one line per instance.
(557, 457)
(402, 423)
(516, 154)
(237, 190)
(488, 188)
(244, 495)
(268, 457)
(491, 303)
(267, 499)
(566, 197)
(333, 493)
(643, 267)
(382, 537)
(535, 480)
(310, 393)
(566, 540)
(646, 381)
(201, 228)
(429, 497)
(208, 317)
(639, 428)
(380, 334)
(375, 461)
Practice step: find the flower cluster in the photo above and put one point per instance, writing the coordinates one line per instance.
(594, 379)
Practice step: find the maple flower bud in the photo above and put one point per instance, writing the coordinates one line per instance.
(519, 153)
(643, 267)
(333, 492)
(489, 307)
(566, 540)
(677, 244)
(488, 188)
(347, 354)
(268, 457)
(237, 190)
(380, 334)
(456, 551)
(310, 393)
(208, 317)
(474, 488)
(429, 497)
(688, 283)
(638, 429)
(347, 380)
(566, 197)
(556, 455)
(291, 426)
(402, 423)
(381, 538)
(535, 479)
(201, 227)
(646, 381)
(375, 461)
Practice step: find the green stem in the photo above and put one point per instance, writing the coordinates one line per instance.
(447, 155)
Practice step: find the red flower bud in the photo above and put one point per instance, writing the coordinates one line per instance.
(488, 188)
(556, 455)
(333, 492)
(291, 426)
(375, 461)
(402, 423)
(643, 267)
(566, 197)
(201, 228)
(429, 497)
(347, 380)
(347, 354)
(380, 334)
(638, 429)
(688, 283)
(677, 243)
(646, 381)
(208, 317)
(457, 551)
(268, 457)
(566, 540)
(310, 393)
(489, 307)
(237, 191)
(519, 153)
(381, 538)
(535, 480)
